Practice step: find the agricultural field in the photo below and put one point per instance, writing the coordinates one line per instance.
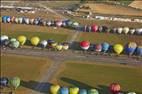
(28, 68)
(86, 74)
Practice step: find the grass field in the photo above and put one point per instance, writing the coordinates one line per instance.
(25, 67)
(100, 75)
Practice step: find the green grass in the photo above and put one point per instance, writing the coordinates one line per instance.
(110, 38)
(100, 76)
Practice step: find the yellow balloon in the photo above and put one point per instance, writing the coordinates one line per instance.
(22, 39)
(54, 44)
(59, 47)
(35, 40)
(54, 89)
(118, 48)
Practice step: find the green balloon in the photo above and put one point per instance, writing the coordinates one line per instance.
(15, 82)
(15, 44)
(93, 91)
(12, 39)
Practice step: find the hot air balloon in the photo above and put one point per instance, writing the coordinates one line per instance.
(4, 19)
(36, 21)
(119, 30)
(82, 91)
(3, 81)
(43, 44)
(31, 21)
(118, 48)
(8, 18)
(59, 23)
(74, 90)
(44, 22)
(35, 40)
(12, 19)
(3, 38)
(15, 82)
(139, 31)
(88, 29)
(93, 91)
(114, 88)
(49, 23)
(54, 44)
(14, 44)
(64, 90)
(132, 31)
(139, 51)
(27, 20)
(131, 93)
(12, 39)
(6, 43)
(54, 89)
(94, 28)
(130, 48)
(85, 45)
(20, 20)
(98, 47)
(114, 30)
(126, 30)
(69, 23)
(59, 47)
(22, 39)
(105, 46)
(65, 46)
(75, 25)
(16, 20)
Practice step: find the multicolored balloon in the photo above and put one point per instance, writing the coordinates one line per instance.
(118, 48)
(85, 45)
(54, 89)
(139, 51)
(130, 48)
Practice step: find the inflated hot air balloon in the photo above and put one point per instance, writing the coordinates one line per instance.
(105, 46)
(85, 45)
(69, 23)
(35, 40)
(12, 19)
(94, 28)
(74, 90)
(126, 30)
(139, 51)
(15, 82)
(4, 81)
(12, 39)
(20, 20)
(130, 48)
(114, 88)
(54, 89)
(119, 30)
(65, 46)
(114, 30)
(22, 39)
(31, 21)
(8, 19)
(64, 90)
(75, 24)
(98, 47)
(88, 29)
(93, 91)
(14, 44)
(132, 31)
(6, 43)
(43, 44)
(139, 31)
(36, 21)
(44, 22)
(59, 23)
(118, 48)
(16, 20)
(49, 23)
(54, 44)
(4, 19)
(131, 93)
(27, 20)
(59, 47)
(82, 91)
(3, 38)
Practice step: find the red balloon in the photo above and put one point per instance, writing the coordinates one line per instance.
(85, 45)
(59, 23)
(114, 88)
(94, 28)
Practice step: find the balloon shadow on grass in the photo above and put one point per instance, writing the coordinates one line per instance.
(101, 88)
(43, 86)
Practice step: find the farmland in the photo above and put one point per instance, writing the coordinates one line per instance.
(99, 75)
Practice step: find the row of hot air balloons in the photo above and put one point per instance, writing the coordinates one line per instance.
(35, 41)
(70, 24)
(114, 88)
(130, 48)
(12, 82)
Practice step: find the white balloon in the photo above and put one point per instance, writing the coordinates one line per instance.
(119, 30)
(126, 30)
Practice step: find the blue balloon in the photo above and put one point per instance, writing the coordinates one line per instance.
(130, 48)
(82, 91)
(139, 51)
(64, 90)
(3, 81)
(4, 19)
(105, 46)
